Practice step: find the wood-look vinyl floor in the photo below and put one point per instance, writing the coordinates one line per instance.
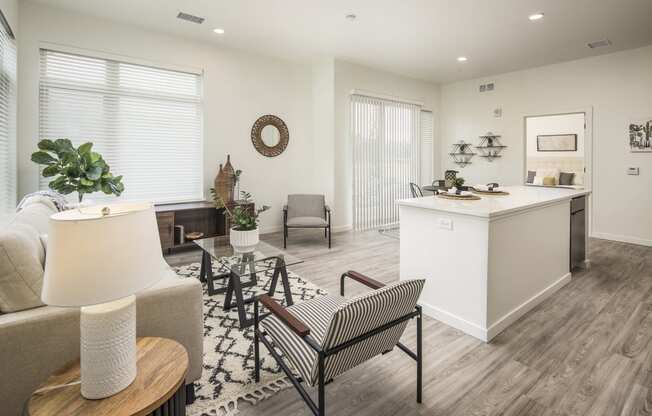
(584, 351)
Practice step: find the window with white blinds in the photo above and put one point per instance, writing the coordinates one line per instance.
(7, 124)
(146, 122)
(386, 148)
(427, 151)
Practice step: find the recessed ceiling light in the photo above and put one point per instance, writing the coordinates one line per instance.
(219, 31)
(351, 17)
(536, 16)
(462, 59)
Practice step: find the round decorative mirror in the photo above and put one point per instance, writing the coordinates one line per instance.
(270, 135)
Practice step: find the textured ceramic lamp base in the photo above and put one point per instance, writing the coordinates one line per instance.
(108, 347)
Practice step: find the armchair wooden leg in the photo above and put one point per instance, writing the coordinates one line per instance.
(285, 237)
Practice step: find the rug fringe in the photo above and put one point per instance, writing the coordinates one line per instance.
(230, 407)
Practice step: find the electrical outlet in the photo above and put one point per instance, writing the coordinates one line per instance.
(633, 171)
(490, 86)
(446, 223)
(483, 88)
(498, 112)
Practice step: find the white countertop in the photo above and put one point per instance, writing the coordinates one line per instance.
(520, 198)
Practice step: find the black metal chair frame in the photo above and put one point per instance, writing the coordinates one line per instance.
(327, 229)
(319, 409)
(416, 190)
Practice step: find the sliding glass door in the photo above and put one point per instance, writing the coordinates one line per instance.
(386, 158)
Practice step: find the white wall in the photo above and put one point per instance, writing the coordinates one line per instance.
(10, 10)
(617, 86)
(238, 88)
(557, 124)
(347, 78)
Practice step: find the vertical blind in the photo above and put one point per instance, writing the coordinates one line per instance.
(385, 158)
(427, 150)
(7, 124)
(146, 122)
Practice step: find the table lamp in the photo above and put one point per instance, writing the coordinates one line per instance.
(98, 257)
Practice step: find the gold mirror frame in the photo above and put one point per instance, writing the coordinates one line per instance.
(257, 140)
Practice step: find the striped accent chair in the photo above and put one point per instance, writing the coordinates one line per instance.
(327, 336)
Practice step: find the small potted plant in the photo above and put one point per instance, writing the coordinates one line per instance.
(244, 235)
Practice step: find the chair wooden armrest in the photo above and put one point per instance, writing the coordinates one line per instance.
(361, 278)
(286, 317)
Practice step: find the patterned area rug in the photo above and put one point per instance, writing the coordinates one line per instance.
(228, 351)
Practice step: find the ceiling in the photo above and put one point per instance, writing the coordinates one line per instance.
(416, 38)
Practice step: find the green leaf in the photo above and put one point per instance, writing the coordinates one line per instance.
(95, 157)
(94, 173)
(86, 182)
(43, 158)
(47, 145)
(51, 171)
(85, 148)
(63, 145)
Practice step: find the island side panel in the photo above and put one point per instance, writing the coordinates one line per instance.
(528, 261)
(453, 262)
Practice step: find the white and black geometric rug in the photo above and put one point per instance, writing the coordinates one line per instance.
(228, 351)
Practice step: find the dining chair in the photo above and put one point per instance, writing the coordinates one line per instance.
(416, 190)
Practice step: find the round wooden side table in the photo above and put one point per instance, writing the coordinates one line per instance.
(159, 387)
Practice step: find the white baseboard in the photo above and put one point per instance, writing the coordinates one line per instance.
(526, 306)
(622, 239)
(486, 334)
(454, 321)
(340, 228)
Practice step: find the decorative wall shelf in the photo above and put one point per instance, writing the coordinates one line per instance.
(490, 146)
(462, 153)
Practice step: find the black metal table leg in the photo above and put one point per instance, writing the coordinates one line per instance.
(280, 268)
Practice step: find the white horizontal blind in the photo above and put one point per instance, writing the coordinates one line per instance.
(146, 122)
(7, 125)
(427, 124)
(385, 158)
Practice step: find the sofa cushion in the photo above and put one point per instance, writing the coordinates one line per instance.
(21, 268)
(307, 222)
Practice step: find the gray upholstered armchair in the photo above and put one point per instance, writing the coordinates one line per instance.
(306, 211)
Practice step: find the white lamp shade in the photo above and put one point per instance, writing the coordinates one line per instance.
(94, 258)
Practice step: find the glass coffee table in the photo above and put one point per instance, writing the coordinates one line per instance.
(243, 270)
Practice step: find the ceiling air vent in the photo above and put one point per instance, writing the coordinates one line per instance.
(190, 18)
(599, 43)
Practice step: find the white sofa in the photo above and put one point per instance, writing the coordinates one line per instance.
(37, 341)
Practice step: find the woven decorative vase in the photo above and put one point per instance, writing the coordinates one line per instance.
(230, 177)
(223, 186)
(108, 347)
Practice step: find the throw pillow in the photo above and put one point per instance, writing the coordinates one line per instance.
(566, 178)
(21, 268)
(538, 180)
(549, 181)
(530, 176)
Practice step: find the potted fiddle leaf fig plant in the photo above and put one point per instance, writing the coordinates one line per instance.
(76, 169)
(244, 234)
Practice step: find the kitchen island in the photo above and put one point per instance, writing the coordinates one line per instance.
(488, 262)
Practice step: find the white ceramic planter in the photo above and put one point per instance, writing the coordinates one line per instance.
(244, 241)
